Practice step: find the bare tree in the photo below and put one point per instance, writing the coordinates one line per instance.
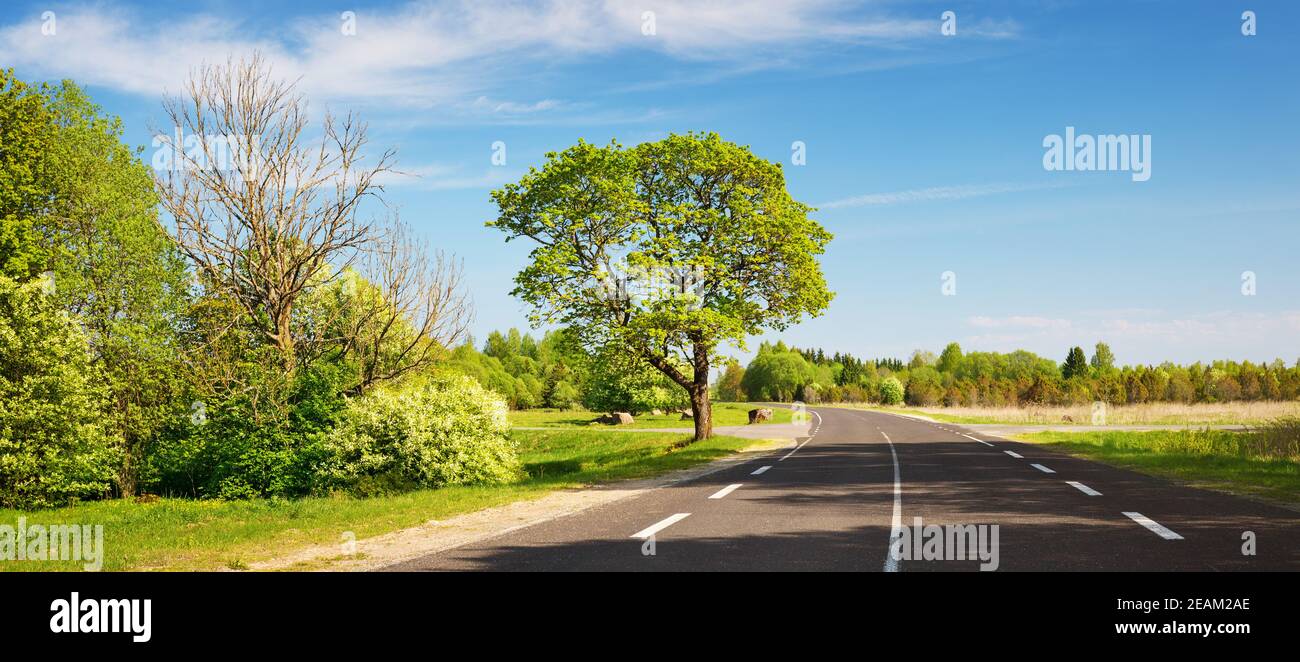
(262, 213)
(395, 313)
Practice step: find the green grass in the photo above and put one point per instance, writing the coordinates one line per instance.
(182, 534)
(724, 413)
(1264, 464)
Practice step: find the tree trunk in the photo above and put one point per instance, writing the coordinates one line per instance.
(703, 411)
(284, 341)
(126, 479)
(696, 385)
(700, 405)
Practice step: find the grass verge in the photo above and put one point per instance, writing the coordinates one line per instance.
(183, 534)
(1257, 463)
(724, 413)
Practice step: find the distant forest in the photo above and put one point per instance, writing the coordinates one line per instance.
(956, 378)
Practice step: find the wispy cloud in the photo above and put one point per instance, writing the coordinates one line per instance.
(442, 177)
(933, 193)
(457, 53)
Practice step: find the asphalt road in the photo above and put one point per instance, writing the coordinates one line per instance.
(839, 499)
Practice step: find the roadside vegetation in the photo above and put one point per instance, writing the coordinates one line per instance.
(234, 345)
(1262, 462)
(218, 534)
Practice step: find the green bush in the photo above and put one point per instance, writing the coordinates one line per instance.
(253, 443)
(891, 391)
(427, 433)
(53, 447)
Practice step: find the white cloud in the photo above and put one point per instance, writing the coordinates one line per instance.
(932, 193)
(440, 52)
(440, 177)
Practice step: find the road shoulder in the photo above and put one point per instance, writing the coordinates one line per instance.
(438, 535)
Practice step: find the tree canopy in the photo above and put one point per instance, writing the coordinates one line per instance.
(665, 250)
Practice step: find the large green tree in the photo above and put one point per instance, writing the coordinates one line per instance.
(78, 204)
(665, 250)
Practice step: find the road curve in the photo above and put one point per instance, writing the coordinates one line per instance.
(836, 502)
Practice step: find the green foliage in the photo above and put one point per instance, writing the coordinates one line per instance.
(950, 359)
(27, 141)
(891, 391)
(619, 382)
(242, 446)
(429, 433)
(924, 387)
(776, 374)
(78, 203)
(665, 250)
(1076, 364)
(730, 387)
(526, 372)
(921, 359)
(1103, 360)
(53, 446)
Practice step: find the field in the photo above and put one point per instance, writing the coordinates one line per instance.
(724, 413)
(1263, 463)
(1227, 413)
(181, 534)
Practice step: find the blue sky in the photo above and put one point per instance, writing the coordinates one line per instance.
(924, 151)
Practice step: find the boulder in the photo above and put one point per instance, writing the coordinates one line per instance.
(656, 412)
(617, 418)
(687, 416)
(759, 415)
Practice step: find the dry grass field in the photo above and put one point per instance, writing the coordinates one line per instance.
(1161, 413)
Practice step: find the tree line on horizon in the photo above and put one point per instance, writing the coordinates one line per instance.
(955, 378)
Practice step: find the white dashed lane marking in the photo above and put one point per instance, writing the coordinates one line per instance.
(1014, 454)
(1042, 468)
(660, 526)
(725, 491)
(1154, 526)
(760, 470)
(1082, 488)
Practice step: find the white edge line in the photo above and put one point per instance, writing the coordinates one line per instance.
(660, 526)
(1082, 488)
(725, 491)
(896, 523)
(979, 440)
(1154, 526)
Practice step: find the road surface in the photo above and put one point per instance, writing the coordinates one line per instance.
(837, 501)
